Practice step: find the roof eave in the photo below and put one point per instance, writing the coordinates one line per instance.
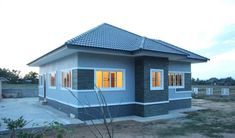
(32, 63)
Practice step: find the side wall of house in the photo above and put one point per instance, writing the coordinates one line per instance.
(97, 61)
(58, 94)
(180, 97)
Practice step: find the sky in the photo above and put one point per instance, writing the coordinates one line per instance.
(31, 28)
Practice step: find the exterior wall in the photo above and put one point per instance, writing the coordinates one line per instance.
(92, 61)
(142, 87)
(115, 111)
(143, 92)
(135, 99)
(179, 104)
(59, 94)
(181, 93)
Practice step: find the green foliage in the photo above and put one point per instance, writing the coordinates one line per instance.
(22, 134)
(229, 81)
(54, 129)
(13, 76)
(211, 123)
(32, 76)
(14, 124)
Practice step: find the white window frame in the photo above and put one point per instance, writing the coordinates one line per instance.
(183, 79)
(112, 70)
(49, 79)
(61, 77)
(162, 79)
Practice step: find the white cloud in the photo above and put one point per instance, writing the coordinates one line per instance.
(221, 65)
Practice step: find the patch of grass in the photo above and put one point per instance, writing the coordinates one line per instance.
(216, 98)
(211, 123)
(172, 131)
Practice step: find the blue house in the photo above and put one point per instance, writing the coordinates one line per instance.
(137, 75)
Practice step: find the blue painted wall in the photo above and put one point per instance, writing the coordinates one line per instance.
(57, 93)
(92, 61)
(184, 67)
(82, 60)
(115, 62)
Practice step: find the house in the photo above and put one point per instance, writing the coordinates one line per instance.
(137, 75)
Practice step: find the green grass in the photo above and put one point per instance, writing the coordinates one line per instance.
(19, 86)
(211, 123)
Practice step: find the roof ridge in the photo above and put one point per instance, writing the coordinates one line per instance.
(122, 29)
(91, 30)
(142, 43)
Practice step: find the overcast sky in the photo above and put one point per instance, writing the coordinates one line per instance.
(30, 28)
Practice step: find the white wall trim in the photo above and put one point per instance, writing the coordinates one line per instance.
(151, 103)
(49, 79)
(95, 69)
(171, 71)
(172, 99)
(110, 70)
(183, 79)
(183, 91)
(111, 104)
(162, 79)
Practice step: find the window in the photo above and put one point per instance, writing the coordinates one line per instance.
(52, 79)
(176, 80)
(66, 79)
(112, 79)
(156, 79)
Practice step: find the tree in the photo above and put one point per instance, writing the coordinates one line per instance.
(229, 81)
(32, 76)
(12, 76)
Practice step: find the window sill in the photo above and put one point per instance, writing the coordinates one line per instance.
(112, 89)
(66, 89)
(156, 88)
(176, 87)
(52, 87)
(93, 90)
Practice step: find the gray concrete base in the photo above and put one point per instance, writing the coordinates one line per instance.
(32, 110)
(92, 113)
(179, 104)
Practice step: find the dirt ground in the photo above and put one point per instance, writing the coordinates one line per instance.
(198, 124)
(217, 120)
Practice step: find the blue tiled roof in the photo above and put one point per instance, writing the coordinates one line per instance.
(110, 37)
(189, 54)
